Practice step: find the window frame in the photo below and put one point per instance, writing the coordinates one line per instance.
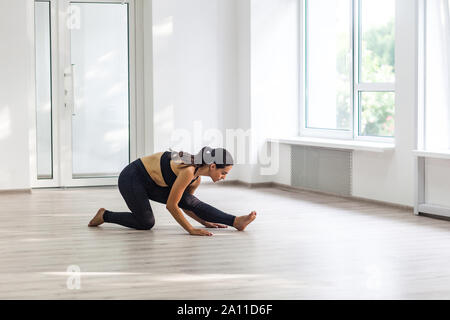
(356, 87)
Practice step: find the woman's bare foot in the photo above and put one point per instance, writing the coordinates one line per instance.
(241, 222)
(98, 218)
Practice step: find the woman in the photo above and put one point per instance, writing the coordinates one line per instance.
(171, 178)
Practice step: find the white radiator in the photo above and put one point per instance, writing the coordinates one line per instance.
(321, 169)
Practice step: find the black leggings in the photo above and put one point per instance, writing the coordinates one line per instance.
(137, 187)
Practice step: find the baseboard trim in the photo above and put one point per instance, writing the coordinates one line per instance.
(289, 188)
(243, 183)
(303, 189)
(15, 191)
(385, 203)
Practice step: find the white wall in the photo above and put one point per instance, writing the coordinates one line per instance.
(243, 78)
(271, 109)
(275, 66)
(17, 93)
(195, 71)
(194, 65)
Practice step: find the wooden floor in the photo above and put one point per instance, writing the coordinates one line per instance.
(301, 246)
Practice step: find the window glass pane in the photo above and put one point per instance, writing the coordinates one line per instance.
(377, 113)
(43, 91)
(377, 41)
(328, 64)
(100, 124)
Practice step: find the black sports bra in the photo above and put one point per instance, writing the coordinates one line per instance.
(168, 175)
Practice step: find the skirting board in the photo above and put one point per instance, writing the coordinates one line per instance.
(429, 209)
(13, 191)
(242, 183)
(300, 189)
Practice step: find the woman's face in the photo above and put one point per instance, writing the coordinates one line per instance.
(218, 174)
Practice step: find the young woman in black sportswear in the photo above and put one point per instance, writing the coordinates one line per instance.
(171, 178)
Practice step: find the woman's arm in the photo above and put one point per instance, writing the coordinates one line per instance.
(194, 216)
(204, 222)
(191, 189)
(183, 179)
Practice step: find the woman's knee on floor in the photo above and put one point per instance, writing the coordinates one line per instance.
(146, 222)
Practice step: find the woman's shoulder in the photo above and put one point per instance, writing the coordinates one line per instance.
(183, 167)
(151, 160)
(152, 156)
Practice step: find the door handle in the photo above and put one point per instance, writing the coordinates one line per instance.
(69, 93)
(72, 88)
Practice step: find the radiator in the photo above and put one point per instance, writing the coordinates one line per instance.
(320, 169)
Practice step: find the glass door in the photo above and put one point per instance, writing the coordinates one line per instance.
(97, 92)
(96, 100)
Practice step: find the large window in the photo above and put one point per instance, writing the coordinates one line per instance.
(349, 69)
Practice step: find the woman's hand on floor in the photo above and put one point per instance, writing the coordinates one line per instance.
(200, 232)
(213, 225)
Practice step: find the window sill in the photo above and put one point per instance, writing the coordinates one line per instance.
(438, 154)
(337, 144)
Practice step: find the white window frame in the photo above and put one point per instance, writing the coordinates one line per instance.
(55, 180)
(355, 86)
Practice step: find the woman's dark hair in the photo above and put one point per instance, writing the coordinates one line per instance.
(206, 156)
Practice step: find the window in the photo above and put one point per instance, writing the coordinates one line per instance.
(349, 70)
